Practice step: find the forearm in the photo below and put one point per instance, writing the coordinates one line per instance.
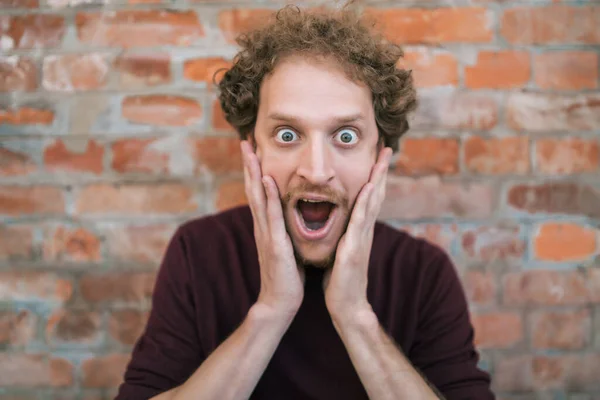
(383, 370)
(234, 368)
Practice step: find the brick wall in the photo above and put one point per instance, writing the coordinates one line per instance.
(111, 137)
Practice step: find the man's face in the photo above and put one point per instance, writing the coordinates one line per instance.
(316, 136)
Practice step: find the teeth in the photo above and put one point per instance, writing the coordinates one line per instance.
(312, 201)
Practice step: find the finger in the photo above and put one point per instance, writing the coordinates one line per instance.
(253, 186)
(274, 211)
(380, 183)
(359, 212)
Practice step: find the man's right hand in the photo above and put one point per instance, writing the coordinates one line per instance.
(282, 280)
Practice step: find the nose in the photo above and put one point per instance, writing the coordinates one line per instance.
(316, 164)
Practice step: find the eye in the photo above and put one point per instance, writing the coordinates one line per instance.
(347, 136)
(286, 135)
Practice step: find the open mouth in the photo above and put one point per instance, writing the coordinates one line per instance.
(314, 217)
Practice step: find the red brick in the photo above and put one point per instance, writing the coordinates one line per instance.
(480, 287)
(71, 244)
(204, 69)
(219, 122)
(552, 24)
(567, 330)
(27, 116)
(499, 70)
(105, 371)
(457, 110)
(118, 286)
(564, 242)
(32, 31)
(75, 72)
(19, 286)
(544, 287)
(497, 329)
(126, 326)
(19, 4)
(433, 26)
(431, 68)
(15, 242)
(492, 243)
(236, 21)
(22, 200)
(139, 28)
(415, 156)
(143, 244)
(34, 370)
(73, 326)
(429, 197)
(555, 197)
(439, 235)
(220, 155)
(17, 328)
(139, 156)
(136, 199)
(566, 70)
(541, 112)
(15, 162)
(567, 156)
(507, 155)
(230, 194)
(17, 74)
(74, 155)
(141, 69)
(162, 110)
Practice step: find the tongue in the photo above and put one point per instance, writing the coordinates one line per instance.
(314, 212)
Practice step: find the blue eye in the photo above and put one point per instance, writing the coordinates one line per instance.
(286, 135)
(347, 136)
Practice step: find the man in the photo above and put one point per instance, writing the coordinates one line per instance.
(303, 295)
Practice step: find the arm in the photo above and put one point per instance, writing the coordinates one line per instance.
(383, 370)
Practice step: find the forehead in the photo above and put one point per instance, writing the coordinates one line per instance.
(313, 90)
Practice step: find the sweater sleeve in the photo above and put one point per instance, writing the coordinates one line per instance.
(444, 350)
(168, 352)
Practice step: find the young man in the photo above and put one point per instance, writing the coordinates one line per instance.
(303, 295)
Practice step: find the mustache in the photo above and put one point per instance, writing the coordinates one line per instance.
(333, 195)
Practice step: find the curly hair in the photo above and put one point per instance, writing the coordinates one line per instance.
(338, 34)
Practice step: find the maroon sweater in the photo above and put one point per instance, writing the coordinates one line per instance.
(209, 279)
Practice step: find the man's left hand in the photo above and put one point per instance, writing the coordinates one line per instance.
(345, 284)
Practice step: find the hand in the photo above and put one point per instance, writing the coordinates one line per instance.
(345, 284)
(281, 279)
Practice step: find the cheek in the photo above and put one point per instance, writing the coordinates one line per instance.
(354, 177)
(278, 168)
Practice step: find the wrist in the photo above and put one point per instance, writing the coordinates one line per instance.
(357, 318)
(264, 312)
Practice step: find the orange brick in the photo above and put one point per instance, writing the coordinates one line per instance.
(567, 156)
(17, 328)
(74, 155)
(497, 329)
(566, 70)
(567, 330)
(231, 194)
(552, 24)
(126, 326)
(480, 287)
(237, 21)
(140, 156)
(431, 69)
(139, 28)
(219, 155)
(564, 242)
(73, 72)
(71, 244)
(45, 286)
(415, 156)
(497, 155)
(219, 122)
(129, 287)
(136, 199)
(23, 200)
(493, 243)
(34, 370)
(142, 244)
(499, 70)
(15, 162)
(161, 110)
(17, 73)
(106, 371)
(33, 31)
(27, 116)
(16, 242)
(19, 3)
(143, 69)
(433, 26)
(545, 287)
(204, 69)
(73, 326)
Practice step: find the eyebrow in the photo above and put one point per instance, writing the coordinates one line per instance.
(342, 119)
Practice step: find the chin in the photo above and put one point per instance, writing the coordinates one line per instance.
(321, 258)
